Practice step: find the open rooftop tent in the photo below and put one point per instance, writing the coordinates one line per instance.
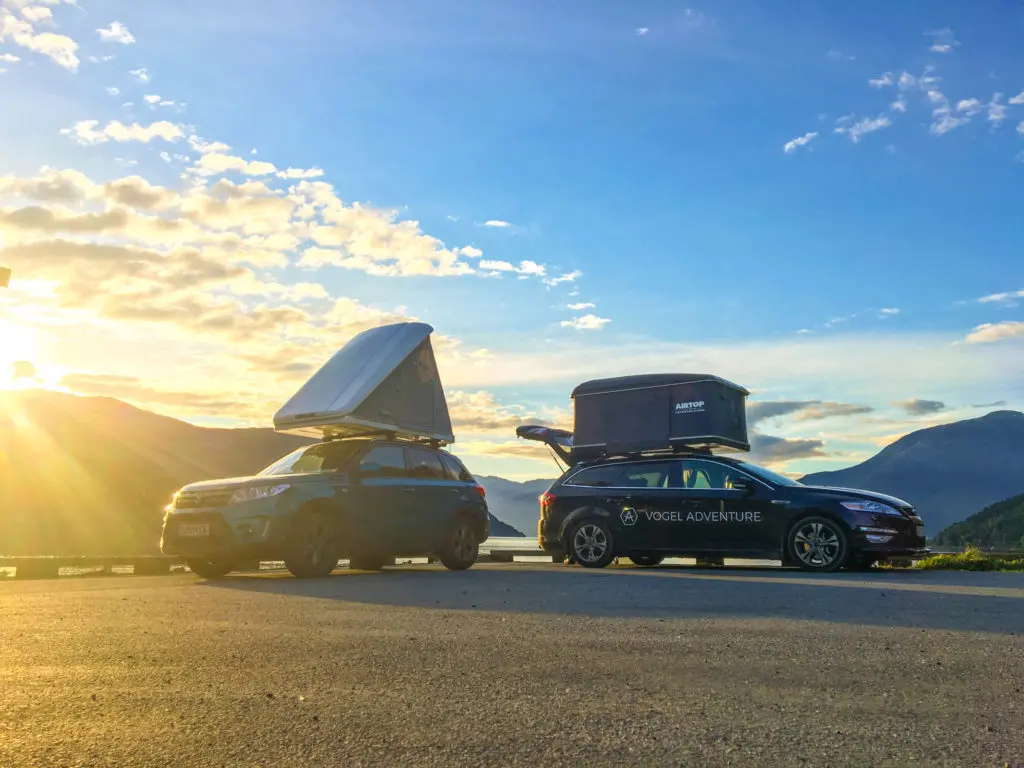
(383, 381)
(650, 413)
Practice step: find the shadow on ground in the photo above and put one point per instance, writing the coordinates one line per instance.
(987, 602)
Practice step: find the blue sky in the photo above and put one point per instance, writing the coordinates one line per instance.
(639, 149)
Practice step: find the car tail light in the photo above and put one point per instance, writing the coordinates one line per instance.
(546, 500)
(481, 491)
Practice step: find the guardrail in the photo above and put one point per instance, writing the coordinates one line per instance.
(496, 550)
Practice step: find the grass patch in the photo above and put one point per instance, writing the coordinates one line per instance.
(971, 559)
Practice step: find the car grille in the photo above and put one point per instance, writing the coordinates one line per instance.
(202, 499)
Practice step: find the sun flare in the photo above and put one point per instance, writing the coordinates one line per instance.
(19, 354)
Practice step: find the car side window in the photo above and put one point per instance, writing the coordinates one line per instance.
(695, 475)
(597, 477)
(647, 475)
(383, 461)
(424, 464)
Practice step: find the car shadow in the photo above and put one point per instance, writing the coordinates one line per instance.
(969, 601)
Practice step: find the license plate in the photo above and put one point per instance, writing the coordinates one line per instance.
(194, 530)
(920, 531)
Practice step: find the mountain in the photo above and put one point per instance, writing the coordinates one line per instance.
(91, 475)
(515, 502)
(946, 471)
(1000, 525)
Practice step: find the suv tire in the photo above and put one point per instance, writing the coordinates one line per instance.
(818, 544)
(462, 547)
(209, 569)
(591, 544)
(647, 561)
(312, 546)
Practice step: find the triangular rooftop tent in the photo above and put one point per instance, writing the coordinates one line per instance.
(383, 380)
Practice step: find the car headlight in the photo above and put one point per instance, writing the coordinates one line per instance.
(871, 506)
(257, 492)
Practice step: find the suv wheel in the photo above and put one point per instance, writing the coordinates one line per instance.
(819, 544)
(648, 561)
(462, 547)
(591, 544)
(208, 569)
(313, 548)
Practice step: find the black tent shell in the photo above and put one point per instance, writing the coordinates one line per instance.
(654, 413)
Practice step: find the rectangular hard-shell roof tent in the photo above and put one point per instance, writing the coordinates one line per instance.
(384, 380)
(658, 412)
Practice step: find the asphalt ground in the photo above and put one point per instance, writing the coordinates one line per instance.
(515, 665)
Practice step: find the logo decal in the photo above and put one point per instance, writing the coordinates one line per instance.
(696, 406)
(628, 516)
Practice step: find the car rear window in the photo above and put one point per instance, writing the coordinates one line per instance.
(455, 469)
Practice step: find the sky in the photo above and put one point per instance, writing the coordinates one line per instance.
(201, 202)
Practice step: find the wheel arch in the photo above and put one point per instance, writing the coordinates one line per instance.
(580, 514)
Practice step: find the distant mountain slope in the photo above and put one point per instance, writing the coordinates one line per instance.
(948, 471)
(89, 475)
(998, 525)
(514, 502)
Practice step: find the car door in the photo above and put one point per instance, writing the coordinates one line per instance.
(433, 501)
(382, 500)
(737, 521)
(650, 511)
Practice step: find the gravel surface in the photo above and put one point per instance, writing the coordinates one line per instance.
(515, 665)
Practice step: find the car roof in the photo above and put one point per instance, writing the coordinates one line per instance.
(633, 459)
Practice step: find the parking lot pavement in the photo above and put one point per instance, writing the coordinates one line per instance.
(515, 665)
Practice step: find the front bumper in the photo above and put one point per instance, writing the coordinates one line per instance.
(253, 529)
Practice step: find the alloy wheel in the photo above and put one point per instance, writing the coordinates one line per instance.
(817, 544)
(589, 543)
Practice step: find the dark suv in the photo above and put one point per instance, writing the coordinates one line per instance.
(712, 507)
(364, 499)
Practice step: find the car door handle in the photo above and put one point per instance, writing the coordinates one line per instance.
(408, 490)
(613, 499)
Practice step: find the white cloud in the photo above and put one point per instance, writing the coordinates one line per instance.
(947, 123)
(87, 132)
(152, 98)
(1020, 127)
(582, 305)
(36, 14)
(907, 81)
(113, 90)
(642, 31)
(944, 40)
(1018, 99)
(900, 105)
(970, 106)
(566, 278)
(116, 33)
(202, 146)
(9, 58)
(1008, 297)
(471, 251)
(863, 126)
(989, 332)
(586, 323)
(141, 74)
(996, 111)
(881, 81)
(524, 268)
(217, 163)
(60, 49)
(890, 311)
(100, 59)
(497, 224)
(799, 141)
(301, 173)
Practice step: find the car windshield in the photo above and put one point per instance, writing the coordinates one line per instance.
(767, 474)
(312, 459)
